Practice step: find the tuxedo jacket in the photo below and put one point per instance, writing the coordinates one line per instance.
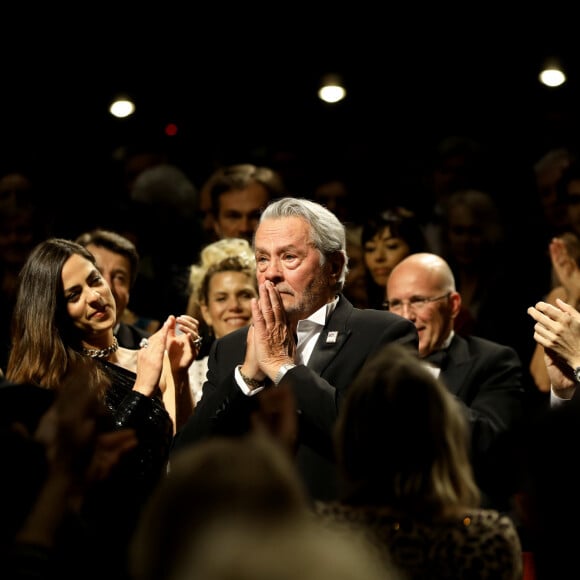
(129, 335)
(487, 377)
(350, 337)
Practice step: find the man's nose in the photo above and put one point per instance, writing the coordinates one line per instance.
(247, 225)
(274, 270)
(407, 311)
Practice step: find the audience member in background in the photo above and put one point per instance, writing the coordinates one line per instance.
(118, 261)
(222, 286)
(557, 330)
(304, 333)
(20, 231)
(386, 239)
(475, 248)
(212, 253)
(355, 284)
(565, 259)
(333, 192)
(485, 376)
(21, 187)
(548, 170)
(564, 252)
(128, 161)
(205, 214)
(471, 241)
(569, 197)
(545, 217)
(233, 550)
(238, 195)
(458, 162)
(246, 479)
(63, 323)
(167, 234)
(24, 222)
(16, 188)
(402, 445)
(546, 502)
(54, 446)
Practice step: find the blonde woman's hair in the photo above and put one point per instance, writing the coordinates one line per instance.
(215, 253)
(403, 440)
(226, 255)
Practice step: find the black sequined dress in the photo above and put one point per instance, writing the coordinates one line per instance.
(147, 415)
(112, 509)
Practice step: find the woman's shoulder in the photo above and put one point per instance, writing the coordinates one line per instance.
(459, 542)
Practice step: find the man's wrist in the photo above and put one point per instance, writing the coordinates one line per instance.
(252, 383)
(282, 372)
(565, 393)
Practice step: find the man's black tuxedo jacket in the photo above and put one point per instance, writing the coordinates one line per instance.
(347, 341)
(488, 378)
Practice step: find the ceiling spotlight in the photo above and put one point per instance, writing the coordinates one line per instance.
(552, 74)
(331, 89)
(121, 107)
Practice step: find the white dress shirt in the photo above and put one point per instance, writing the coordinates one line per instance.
(308, 331)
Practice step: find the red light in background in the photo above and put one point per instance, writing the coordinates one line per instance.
(171, 129)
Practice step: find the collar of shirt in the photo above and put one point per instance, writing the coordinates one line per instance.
(437, 357)
(309, 329)
(448, 340)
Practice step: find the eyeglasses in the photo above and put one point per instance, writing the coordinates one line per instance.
(415, 303)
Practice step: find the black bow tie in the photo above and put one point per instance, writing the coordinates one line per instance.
(437, 358)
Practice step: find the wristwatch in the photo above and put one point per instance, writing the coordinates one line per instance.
(283, 370)
(577, 374)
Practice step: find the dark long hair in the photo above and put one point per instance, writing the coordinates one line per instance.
(45, 343)
(402, 223)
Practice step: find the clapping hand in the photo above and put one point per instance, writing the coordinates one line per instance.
(183, 342)
(557, 329)
(564, 253)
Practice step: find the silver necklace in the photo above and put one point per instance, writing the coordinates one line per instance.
(103, 352)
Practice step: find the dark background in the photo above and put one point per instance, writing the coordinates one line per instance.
(240, 83)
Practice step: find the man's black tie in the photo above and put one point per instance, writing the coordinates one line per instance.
(437, 358)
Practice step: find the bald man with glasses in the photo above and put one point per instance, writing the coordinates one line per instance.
(487, 377)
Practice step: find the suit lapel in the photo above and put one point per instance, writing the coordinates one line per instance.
(457, 365)
(326, 348)
(332, 338)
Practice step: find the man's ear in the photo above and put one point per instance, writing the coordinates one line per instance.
(455, 300)
(336, 263)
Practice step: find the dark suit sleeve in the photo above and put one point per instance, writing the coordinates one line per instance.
(223, 408)
(495, 400)
(493, 396)
(318, 387)
(319, 392)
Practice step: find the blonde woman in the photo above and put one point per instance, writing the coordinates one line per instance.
(222, 286)
(402, 443)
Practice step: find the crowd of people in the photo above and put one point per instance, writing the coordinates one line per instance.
(296, 369)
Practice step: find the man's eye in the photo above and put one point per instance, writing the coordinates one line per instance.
(417, 301)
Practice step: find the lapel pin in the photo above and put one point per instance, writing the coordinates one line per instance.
(332, 336)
